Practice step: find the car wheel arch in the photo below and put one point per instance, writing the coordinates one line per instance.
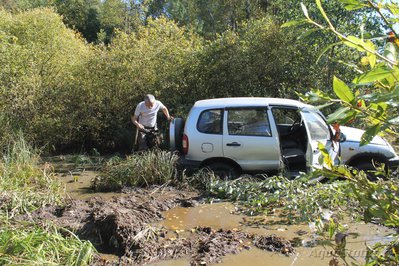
(366, 157)
(221, 160)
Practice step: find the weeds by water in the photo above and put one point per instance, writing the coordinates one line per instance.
(29, 244)
(24, 186)
(323, 205)
(151, 167)
(299, 199)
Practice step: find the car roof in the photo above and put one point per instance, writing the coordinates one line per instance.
(249, 101)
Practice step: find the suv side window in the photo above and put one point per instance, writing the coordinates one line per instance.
(210, 121)
(248, 122)
(285, 116)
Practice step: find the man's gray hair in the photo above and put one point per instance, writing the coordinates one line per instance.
(149, 98)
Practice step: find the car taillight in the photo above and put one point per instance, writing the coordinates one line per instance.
(185, 144)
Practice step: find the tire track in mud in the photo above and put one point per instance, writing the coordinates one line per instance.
(122, 226)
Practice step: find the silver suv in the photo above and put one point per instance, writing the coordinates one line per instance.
(254, 135)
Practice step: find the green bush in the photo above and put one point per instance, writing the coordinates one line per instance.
(64, 93)
(155, 167)
(40, 61)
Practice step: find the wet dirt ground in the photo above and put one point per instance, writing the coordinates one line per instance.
(166, 226)
(309, 250)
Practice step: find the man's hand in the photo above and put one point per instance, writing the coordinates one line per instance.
(170, 118)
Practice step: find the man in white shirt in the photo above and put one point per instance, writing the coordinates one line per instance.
(145, 117)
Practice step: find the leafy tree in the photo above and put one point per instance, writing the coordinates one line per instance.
(39, 55)
(113, 16)
(24, 4)
(207, 17)
(82, 15)
(372, 97)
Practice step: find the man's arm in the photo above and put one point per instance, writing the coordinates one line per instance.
(136, 122)
(166, 113)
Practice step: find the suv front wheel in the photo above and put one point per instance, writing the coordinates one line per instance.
(223, 170)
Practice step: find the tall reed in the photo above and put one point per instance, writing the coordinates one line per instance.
(29, 244)
(24, 184)
(155, 167)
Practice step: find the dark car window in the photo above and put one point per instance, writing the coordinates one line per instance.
(210, 121)
(285, 116)
(248, 122)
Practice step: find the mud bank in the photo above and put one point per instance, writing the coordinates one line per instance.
(126, 226)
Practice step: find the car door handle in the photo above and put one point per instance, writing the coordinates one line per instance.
(234, 144)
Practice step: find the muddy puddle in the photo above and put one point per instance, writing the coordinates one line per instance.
(309, 250)
(165, 226)
(78, 185)
(76, 173)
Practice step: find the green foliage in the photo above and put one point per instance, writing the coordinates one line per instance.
(365, 98)
(15, 5)
(66, 94)
(24, 186)
(298, 199)
(376, 202)
(39, 57)
(29, 244)
(372, 97)
(383, 254)
(82, 15)
(154, 167)
(379, 200)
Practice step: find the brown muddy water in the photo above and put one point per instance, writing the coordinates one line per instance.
(221, 215)
(188, 231)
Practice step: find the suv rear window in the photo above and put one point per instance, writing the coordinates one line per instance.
(248, 122)
(210, 121)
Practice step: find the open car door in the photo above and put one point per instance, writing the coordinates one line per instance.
(318, 132)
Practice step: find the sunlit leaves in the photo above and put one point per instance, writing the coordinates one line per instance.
(376, 74)
(353, 4)
(342, 90)
(370, 133)
(356, 43)
(342, 115)
(293, 23)
(393, 8)
(325, 159)
(315, 96)
(305, 11)
(391, 51)
(372, 58)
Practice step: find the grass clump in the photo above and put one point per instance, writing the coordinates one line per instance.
(24, 185)
(154, 167)
(29, 244)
